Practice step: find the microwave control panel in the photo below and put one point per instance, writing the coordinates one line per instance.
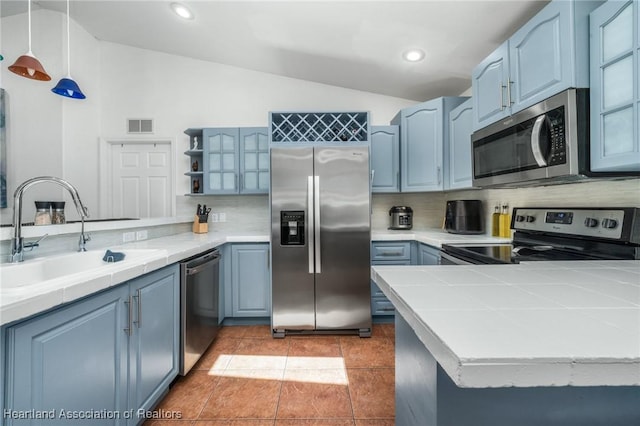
(580, 222)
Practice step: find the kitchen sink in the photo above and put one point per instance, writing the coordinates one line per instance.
(70, 268)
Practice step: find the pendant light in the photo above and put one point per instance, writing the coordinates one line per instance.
(66, 86)
(27, 65)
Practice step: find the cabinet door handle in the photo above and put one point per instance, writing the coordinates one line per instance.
(373, 175)
(129, 304)
(510, 102)
(439, 175)
(241, 182)
(502, 105)
(236, 183)
(138, 297)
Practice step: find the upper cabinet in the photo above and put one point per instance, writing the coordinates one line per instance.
(615, 102)
(458, 150)
(550, 53)
(385, 159)
(254, 160)
(221, 160)
(423, 133)
(229, 160)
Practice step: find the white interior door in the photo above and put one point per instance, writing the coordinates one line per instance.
(140, 180)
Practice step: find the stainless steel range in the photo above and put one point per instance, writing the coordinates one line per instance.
(558, 234)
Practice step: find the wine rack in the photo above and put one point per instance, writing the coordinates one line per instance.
(340, 127)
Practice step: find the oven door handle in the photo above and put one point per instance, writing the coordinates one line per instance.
(535, 141)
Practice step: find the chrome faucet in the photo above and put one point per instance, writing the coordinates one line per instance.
(17, 244)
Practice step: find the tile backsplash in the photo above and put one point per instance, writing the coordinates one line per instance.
(251, 212)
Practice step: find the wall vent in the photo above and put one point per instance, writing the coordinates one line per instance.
(139, 125)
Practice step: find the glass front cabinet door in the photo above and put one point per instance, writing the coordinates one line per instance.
(221, 155)
(615, 83)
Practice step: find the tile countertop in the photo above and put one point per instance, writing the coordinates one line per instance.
(435, 237)
(532, 324)
(21, 303)
(16, 304)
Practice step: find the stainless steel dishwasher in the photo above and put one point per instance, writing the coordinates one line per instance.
(199, 299)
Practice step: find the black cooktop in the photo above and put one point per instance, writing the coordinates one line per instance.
(508, 253)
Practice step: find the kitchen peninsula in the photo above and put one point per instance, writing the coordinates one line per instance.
(553, 343)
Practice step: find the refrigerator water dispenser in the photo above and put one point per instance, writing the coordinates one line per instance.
(292, 228)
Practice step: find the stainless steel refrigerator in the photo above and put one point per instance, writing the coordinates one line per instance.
(320, 240)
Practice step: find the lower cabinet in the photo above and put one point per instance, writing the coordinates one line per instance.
(113, 353)
(387, 253)
(250, 280)
(428, 255)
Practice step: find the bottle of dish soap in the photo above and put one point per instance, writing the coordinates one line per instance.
(505, 222)
(495, 221)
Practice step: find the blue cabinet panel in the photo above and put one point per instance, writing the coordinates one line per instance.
(74, 358)
(428, 255)
(254, 160)
(387, 253)
(458, 150)
(422, 137)
(615, 87)
(115, 351)
(221, 152)
(489, 80)
(385, 161)
(154, 357)
(251, 280)
(547, 55)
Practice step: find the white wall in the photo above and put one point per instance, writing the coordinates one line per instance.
(178, 93)
(51, 135)
(48, 134)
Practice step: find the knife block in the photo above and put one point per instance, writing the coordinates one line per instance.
(199, 228)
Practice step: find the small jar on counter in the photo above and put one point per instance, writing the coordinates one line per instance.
(57, 212)
(43, 213)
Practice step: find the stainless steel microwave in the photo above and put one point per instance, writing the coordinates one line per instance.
(545, 143)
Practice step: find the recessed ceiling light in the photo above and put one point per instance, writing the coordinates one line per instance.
(413, 55)
(181, 10)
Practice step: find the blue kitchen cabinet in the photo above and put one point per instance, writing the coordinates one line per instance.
(254, 160)
(488, 80)
(547, 55)
(154, 342)
(387, 253)
(458, 150)
(72, 359)
(615, 87)
(428, 255)
(422, 136)
(236, 160)
(385, 158)
(114, 351)
(221, 160)
(251, 280)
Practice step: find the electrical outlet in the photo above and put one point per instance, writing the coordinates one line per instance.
(214, 217)
(222, 217)
(128, 237)
(142, 235)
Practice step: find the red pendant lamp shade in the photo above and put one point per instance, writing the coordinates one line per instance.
(27, 65)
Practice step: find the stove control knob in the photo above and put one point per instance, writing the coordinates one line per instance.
(531, 219)
(609, 223)
(519, 218)
(591, 222)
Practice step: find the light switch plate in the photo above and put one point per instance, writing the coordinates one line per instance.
(128, 237)
(142, 235)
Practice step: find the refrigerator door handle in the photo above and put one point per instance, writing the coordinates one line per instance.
(316, 222)
(310, 222)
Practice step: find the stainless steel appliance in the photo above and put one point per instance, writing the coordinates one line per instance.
(199, 299)
(464, 217)
(401, 217)
(546, 142)
(320, 240)
(558, 234)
